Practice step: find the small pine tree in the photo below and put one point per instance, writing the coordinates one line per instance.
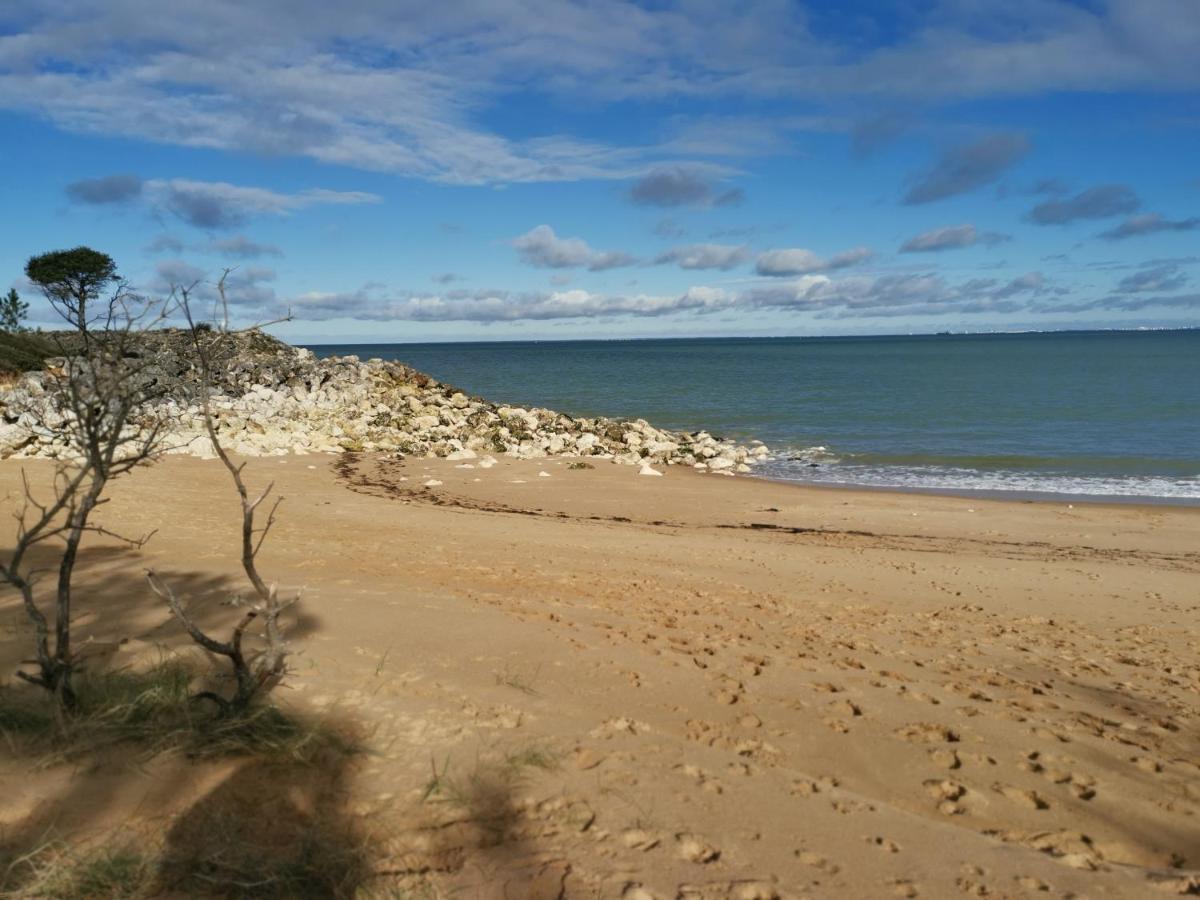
(12, 311)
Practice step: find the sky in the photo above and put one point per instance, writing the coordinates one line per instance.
(389, 171)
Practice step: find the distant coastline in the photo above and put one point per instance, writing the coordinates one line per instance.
(318, 345)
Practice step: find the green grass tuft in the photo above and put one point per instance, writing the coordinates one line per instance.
(56, 872)
(154, 711)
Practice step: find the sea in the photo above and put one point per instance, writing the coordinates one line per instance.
(1104, 415)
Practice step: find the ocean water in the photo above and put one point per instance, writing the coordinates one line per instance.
(1103, 414)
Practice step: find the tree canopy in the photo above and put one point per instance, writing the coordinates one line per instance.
(72, 278)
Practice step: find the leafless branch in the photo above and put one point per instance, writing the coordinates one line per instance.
(258, 675)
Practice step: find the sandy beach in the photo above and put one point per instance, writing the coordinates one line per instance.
(724, 687)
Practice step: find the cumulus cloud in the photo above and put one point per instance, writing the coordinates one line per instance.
(705, 256)
(681, 186)
(1100, 202)
(895, 295)
(821, 295)
(798, 261)
(950, 238)
(542, 248)
(216, 205)
(967, 167)
(1162, 278)
(1149, 223)
(110, 189)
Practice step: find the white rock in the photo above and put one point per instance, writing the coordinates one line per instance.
(646, 470)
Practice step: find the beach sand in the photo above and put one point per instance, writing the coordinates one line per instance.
(688, 685)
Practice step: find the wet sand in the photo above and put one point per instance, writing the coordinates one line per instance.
(749, 689)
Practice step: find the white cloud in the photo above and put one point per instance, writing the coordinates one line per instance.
(541, 247)
(705, 256)
(798, 261)
(950, 238)
(858, 296)
(218, 204)
(501, 306)
(406, 87)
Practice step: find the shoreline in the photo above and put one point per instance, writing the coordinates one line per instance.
(1015, 496)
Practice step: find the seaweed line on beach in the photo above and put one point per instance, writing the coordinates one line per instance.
(349, 469)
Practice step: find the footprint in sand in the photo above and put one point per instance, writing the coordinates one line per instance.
(637, 839)
(817, 861)
(845, 709)
(1146, 764)
(927, 733)
(947, 793)
(703, 779)
(695, 849)
(946, 759)
(884, 844)
(1028, 799)
(805, 787)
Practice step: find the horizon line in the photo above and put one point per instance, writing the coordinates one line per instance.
(760, 337)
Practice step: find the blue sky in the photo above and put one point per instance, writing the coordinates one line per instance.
(393, 171)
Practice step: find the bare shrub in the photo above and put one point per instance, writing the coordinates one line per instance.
(96, 401)
(255, 674)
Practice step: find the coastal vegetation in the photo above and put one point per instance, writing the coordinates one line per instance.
(13, 311)
(100, 399)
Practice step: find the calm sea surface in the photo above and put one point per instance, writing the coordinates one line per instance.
(1112, 414)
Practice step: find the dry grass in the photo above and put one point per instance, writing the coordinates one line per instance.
(154, 712)
(215, 850)
(486, 792)
(56, 871)
(277, 826)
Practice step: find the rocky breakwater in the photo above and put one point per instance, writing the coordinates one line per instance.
(269, 398)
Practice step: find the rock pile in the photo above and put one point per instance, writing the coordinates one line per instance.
(270, 398)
